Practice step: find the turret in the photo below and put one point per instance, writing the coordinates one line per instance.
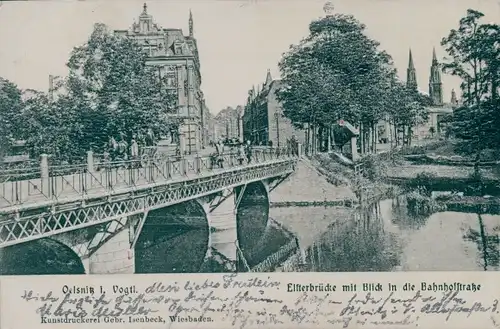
(190, 23)
(435, 84)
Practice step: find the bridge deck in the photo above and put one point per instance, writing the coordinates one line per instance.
(114, 179)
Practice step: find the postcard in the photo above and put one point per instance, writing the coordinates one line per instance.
(250, 164)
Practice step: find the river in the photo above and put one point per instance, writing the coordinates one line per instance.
(384, 237)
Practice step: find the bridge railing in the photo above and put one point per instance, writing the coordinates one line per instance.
(58, 182)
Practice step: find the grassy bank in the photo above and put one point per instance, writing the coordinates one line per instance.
(367, 186)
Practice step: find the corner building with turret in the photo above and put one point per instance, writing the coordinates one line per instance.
(176, 57)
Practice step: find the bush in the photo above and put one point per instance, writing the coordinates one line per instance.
(422, 149)
(489, 155)
(421, 204)
(423, 181)
(373, 167)
(476, 185)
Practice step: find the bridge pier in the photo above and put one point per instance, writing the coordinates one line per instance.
(223, 236)
(114, 256)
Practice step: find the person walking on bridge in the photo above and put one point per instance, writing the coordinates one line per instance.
(219, 147)
(241, 153)
(248, 151)
(134, 152)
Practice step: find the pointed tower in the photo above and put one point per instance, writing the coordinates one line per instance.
(435, 84)
(145, 23)
(269, 79)
(411, 74)
(190, 23)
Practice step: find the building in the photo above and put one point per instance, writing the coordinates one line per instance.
(437, 110)
(176, 57)
(208, 125)
(263, 119)
(228, 123)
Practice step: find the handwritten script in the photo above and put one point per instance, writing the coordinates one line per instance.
(245, 301)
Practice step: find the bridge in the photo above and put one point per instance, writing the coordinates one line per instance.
(113, 202)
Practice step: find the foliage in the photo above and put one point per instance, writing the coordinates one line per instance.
(478, 125)
(373, 167)
(476, 185)
(10, 109)
(422, 149)
(474, 51)
(422, 205)
(422, 181)
(474, 57)
(110, 92)
(337, 72)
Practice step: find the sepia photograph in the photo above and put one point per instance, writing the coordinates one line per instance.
(249, 136)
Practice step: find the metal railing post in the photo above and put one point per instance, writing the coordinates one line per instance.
(44, 174)
(90, 161)
(197, 160)
(183, 166)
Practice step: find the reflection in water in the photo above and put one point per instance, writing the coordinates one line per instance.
(258, 242)
(173, 240)
(361, 244)
(385, 237)
(487, 244)
(43, 256)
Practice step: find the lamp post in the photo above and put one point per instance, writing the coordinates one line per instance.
(276, 117)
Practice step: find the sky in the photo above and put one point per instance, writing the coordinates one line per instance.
(238, 40)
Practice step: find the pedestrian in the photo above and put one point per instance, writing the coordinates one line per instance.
(220, 152)
(248, 151)
(295, 146)
(150, 137)
(241, 153)
(134, 151)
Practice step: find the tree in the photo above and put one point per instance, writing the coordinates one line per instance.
(114, 89)
(475, 58)
(335, 73)
(110, 92)
(10, 109)
(45, 127)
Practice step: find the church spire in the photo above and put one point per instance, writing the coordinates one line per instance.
(269, 79)
(410, 61)
(190, 23)
(435, 84)
(411, 74)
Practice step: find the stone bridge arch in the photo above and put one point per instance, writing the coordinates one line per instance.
(42, 256)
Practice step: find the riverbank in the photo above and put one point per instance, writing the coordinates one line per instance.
(349, 203)
(472, 204)
(307, 186)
